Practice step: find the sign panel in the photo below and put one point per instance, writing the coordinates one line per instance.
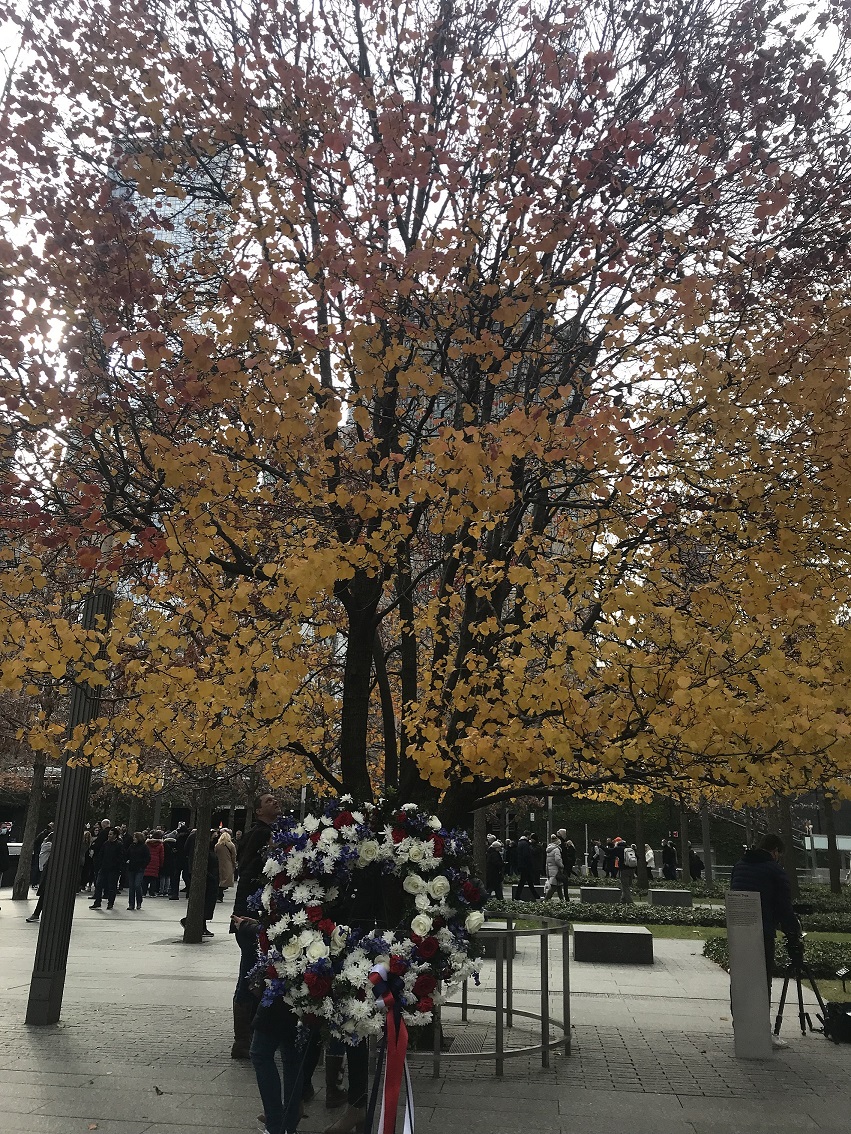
(748, 982)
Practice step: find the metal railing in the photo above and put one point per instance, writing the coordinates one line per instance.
(504, 940)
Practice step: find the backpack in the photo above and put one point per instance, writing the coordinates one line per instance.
(629, 859)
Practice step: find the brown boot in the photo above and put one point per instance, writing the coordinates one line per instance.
(334, 1094)
(349, 1122)
(242, 1015)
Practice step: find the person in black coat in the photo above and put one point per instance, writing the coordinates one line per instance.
(111, 863)
(695, 865)
(759, 871)
(494, 868)
(179, 862)
(669, 860)
(526, 867)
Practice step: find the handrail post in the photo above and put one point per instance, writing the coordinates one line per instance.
(438, 1042)
(464, 1002)
(509, 974)
(500, 1038)
(565, 977)
(545, 998)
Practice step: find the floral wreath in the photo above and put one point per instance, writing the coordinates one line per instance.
(320, 966)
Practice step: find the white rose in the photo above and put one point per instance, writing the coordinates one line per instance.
(475, 921)
(434, 823)
(338, 939)
(368, 851)
(422, 924)
(422, 901)
(317, 949)
(413, 884)
(439, 887)
(291, 950)
(416, 853)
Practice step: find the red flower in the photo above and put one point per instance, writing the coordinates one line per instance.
(472, 893)
(314, 838)
(439, 923)
(318, 985)
(398, 835)
(424, 985)
(271, 972)
(428, 947)
(264, 941)
(398, 965)
(437, 840)
(314, 913)
(344, 819)
(326, 925)
(400, 817)
(425, 1005)
(278, 881)
(415, 937)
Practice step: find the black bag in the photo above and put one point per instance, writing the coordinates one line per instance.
(837, 1021)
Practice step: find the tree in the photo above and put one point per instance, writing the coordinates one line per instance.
(446, 380)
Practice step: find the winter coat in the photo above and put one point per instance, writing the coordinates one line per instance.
(494, 868)
(112, 856)
(650, 859)
(568, 857)
(169, 857)
(756, 870)
(555, 864)
(155, 846)
(138, 857)
(44, 852)
(226, 854)
(525, 856)
(252, 859)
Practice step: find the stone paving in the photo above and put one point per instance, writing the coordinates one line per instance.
(143, 1047)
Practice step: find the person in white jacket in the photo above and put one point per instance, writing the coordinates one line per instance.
(650, 859)
(554, 868)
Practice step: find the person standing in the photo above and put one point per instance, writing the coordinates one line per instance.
(111, 862)
(626, 862)
(138, 858)
(251, 861)
(226, 854)
(596, 859)
(35, 869)
(167, 869)
(759, 870)
(152, 870)
(494, 868)
(554, 869)
(650, 861)
(180, 838)
(669, 860)
(526, 868)
(568, 857)
(44, 854)
(695, 865)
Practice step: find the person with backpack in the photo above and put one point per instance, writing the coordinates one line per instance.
(626, 862)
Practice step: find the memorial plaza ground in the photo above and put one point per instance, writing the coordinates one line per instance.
(143, 1047)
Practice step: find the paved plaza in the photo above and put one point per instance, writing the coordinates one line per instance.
(143, 1046)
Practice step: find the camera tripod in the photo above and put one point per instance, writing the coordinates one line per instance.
(799, 970)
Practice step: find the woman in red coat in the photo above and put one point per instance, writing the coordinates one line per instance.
(152, 870)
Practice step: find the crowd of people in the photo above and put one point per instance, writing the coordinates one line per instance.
(556, 863)
(145, 864)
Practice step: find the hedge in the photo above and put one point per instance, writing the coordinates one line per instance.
(823, 957)
(640, 914)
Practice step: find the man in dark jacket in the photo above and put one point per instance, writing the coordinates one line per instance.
(494, 867)
(251, 861)
(111, 862)
(759, 871)
(526, 867)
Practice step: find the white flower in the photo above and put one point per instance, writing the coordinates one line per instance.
(439, 887)
(339, 937)
(413, 884)
(291, 949)
(316, 950)
(310, 823)
(346, 799)
(416, 852)
(434, 823)
(329, 835)
(422, 902)
(474, 922)
(422, 924)
(368, 851)
(272, 868)
(357, 816)
(299, 918)
(409, 807)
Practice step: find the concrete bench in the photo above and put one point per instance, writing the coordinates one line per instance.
(670, 897)
(597, 895)
(488, 941)
(613, 944)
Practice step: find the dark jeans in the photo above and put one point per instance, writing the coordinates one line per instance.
(526, 879)
(174, 886)
(281, 1109)
(152, 884)
(106, 886)
(134, 885)
(358, 1060)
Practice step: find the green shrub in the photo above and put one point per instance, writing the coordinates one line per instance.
(823, 957)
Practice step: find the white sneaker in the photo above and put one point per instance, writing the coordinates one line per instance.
(778, 1044)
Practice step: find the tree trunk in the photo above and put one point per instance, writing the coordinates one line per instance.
(361, 604)
(706, 837)
(193, 930)
(787, 834)
(684, 848)
(21, 885)
(834, 863)
(388, 716)
(641, 870)
(113, 808)
(480, 842)
(133, 814)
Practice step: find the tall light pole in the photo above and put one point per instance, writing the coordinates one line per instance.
(54, 935)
